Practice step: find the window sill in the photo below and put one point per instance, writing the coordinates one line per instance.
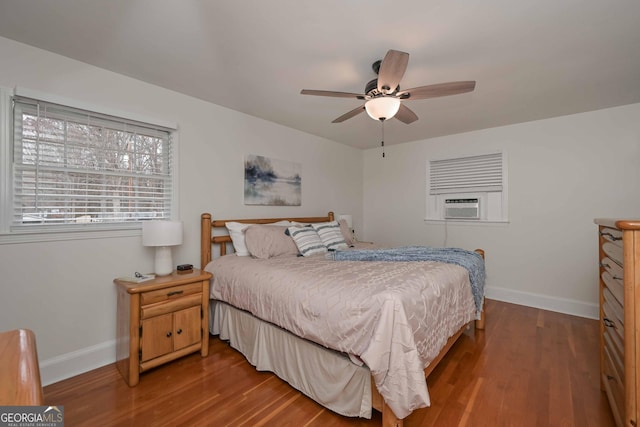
(39, 236)
(467, 222)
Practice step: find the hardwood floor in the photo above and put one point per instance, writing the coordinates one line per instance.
(529, 367)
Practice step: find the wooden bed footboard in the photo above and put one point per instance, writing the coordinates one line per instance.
(389, 419)
(208, 238)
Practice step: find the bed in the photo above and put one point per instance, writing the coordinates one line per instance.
(351, 335)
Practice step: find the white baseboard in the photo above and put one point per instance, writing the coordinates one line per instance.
(77, 362)
(545, 302)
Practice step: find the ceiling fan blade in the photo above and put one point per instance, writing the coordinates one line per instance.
(406, 115)
(331, 93)
(434, 91)
(350, 114)
(391, 70)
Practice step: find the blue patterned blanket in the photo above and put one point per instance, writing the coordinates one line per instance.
(472, 261)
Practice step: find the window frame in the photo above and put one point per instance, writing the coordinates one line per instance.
(493, 204)
(54, 232)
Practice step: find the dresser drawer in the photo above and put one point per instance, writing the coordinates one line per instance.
(614, 310)
(614, 387)
(612, 234)
(614, 354)
(614, 251)
(173, 292)
(616, 271)
(617, 340)
(614, 285)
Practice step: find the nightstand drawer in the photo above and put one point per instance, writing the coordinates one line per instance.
(170, 293)
(157, 309)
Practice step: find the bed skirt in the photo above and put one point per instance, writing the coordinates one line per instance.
(326, 376)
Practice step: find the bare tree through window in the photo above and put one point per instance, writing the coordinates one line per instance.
(73, 166)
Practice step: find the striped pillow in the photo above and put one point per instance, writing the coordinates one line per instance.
(331, 235)
(307, 240)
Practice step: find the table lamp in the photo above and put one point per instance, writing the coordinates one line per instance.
(162, 235)
(348, 219)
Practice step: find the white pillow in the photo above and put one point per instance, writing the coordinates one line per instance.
(331, 235)
(307, 240)
(236, 232)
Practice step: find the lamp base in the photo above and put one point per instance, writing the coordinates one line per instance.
(163, 261)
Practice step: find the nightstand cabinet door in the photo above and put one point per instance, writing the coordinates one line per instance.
(186, 328)
(156, 338)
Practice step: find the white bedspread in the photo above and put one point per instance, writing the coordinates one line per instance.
(395, 316)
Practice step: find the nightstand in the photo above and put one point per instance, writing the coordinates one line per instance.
(161, 320)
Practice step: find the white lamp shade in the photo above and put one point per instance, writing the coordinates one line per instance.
(161, 233)
(348, 219)
(382, 107)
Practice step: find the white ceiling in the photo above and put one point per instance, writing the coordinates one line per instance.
(531, 59)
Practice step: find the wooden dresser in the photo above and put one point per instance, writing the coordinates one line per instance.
(619, 253)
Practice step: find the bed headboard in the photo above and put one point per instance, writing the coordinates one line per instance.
(209, 236)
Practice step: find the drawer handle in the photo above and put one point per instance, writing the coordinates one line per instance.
(179, 331)
(614, 238)
(170, 294)
(169, 334)
(617, 278)
(608, 323)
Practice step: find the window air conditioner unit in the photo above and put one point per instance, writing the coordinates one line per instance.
(462, 208)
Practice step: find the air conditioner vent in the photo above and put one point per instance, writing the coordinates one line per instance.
(462, 208)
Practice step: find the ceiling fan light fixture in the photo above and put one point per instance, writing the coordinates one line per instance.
(382, 107)
(383, 96)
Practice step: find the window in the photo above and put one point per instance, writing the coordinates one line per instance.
(75, 169)
(461, 184)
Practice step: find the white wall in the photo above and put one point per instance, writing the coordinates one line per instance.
(562, 173)
(63, 290)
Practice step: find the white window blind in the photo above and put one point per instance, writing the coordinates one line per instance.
(481, 173)
(72, 166)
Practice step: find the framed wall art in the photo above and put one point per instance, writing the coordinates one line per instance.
(272, 182)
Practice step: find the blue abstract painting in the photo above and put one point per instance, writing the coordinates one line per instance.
(272, 182)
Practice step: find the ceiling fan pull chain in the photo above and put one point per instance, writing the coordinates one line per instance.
(382, 143)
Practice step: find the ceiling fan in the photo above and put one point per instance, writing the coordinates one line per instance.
(383, 96)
